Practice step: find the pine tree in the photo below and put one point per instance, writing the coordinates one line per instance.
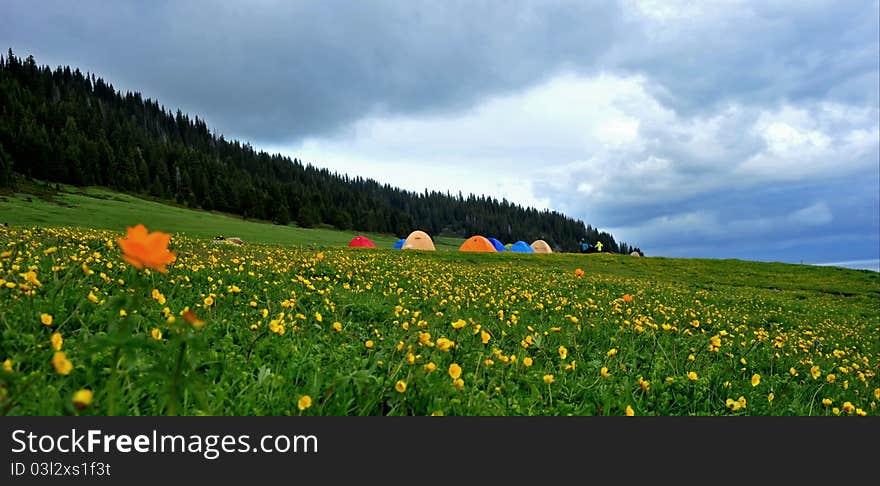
(6, 177)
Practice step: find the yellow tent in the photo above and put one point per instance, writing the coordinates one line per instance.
(418, 240)
(541, 246)
(478, 243)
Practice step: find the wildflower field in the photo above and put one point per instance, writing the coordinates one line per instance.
(98, 322)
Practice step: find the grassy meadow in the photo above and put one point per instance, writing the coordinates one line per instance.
(296, 323)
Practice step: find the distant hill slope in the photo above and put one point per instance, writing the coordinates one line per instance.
(105, 209)
(65, 126)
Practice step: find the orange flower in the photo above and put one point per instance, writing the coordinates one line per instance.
(627, 298)
(578, 272)
(190, 317)
(146, 250)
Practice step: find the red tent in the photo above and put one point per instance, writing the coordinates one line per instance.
(361, 242)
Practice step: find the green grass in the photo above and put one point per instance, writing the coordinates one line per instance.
(790, 338)
(103, 209)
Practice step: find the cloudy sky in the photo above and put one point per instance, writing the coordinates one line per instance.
(720, 129)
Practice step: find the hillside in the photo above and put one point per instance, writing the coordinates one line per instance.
(99, 208)
(68, 127)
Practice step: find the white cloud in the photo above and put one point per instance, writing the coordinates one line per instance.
(816, 215)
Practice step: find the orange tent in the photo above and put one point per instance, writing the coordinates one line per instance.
(418, 240)
(541, 246)
(478, 243)
(361, 242)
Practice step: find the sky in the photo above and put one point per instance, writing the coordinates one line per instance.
(708, 129)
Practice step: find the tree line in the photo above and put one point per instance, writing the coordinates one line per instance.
(68, 127)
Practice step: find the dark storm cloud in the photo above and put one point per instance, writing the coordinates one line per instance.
(757, 52)
(279, 71)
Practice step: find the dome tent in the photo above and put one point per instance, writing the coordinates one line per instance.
(361, 242)
(477, 243)
(418, 240)
(508, 246)
(541, 246)
(635, 253)
(521, 247)
(497, 244)
(399, 243)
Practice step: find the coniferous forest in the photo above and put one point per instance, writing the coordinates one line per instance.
(63, 126)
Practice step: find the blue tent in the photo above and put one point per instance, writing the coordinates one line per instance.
(399, 244)
(521, 247)
(499, 246)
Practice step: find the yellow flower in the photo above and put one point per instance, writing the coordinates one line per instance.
(46, 319)
(400, 386)
(736, 404)
(142, 249)
(830, 377)
(82, 399)
(57, 341)
(877, 393)
(369, 343)
(430, 367)
(304, 402)
(548, 379)
(156, 334)
(93, 298)
(7, 365)
(62, 365)
(612, 352)
(454, 371)
(792, 371)
(629, 411)
(209, 301)
(563, 352)
(815, 372)
(756, 379)
(827, 402)
(458, 383)
(445, 344)
(644, 384)
(337, 326)
(848, 407)
(692, 376)
(527, 362)
(31, 278)
(604, 372)
(484, 336)
(122, 313)
(319, 317)
(770, 397)
(458, 324)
